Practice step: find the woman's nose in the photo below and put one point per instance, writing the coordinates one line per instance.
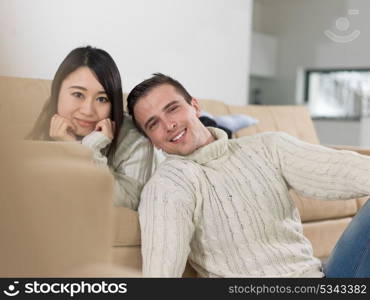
(87, 107)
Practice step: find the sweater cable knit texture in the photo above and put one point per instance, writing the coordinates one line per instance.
(226, 206)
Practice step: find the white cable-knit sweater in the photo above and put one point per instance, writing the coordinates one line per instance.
(227, 206)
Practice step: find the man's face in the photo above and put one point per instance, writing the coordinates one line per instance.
(170, 122)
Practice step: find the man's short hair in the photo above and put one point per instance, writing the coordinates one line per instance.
(143, 88)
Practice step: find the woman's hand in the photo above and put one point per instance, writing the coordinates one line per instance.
(62, 129)
(107, 127)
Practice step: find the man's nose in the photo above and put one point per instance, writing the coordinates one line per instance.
(170, 125)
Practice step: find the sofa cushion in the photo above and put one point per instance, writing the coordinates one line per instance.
(214, 107)
(234, 122)
(323, 235)
(294, 120)
(313, 210)
(361, 202)
(126, 229)
(127, 258)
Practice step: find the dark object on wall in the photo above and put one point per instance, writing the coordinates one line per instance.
(256, 97)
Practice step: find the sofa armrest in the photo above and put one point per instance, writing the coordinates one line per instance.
(56, 211)
(360, 150)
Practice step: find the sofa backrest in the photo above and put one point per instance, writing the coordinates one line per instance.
(21, 103)
(293, 119)
(24, 98)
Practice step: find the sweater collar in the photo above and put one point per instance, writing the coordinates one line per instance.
(209, 152)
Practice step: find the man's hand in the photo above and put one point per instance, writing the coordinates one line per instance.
(107, 127)
(62, 129)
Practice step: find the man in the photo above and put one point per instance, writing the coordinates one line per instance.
(225, 203)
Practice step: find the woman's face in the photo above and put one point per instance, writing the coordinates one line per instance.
(83, 101)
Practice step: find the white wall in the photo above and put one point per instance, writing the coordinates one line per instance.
(202, 43)
(299, 26)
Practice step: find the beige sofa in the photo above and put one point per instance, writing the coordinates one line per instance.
(57, 217)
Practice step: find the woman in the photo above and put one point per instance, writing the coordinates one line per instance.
(86, 105)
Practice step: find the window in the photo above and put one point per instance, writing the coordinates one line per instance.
(333, 93)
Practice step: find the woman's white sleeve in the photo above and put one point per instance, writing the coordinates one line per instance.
(97, 141)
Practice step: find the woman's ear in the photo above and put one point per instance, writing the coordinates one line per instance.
(195, 103)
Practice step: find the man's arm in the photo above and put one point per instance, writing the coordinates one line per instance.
(166, 221)
(319, 172)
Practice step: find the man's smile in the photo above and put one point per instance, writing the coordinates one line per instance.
(179, 137)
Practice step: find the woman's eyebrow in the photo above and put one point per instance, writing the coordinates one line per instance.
(84, 89)
(78, 87)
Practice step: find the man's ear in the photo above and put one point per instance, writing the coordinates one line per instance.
(195, 103)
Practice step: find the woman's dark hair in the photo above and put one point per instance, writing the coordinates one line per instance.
(106, 71)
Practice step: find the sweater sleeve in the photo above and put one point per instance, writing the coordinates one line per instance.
(166, 220)
(136, 160)
(97, 141)
(319, 172)
(133, 163)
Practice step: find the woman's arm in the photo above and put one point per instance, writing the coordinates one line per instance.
(134, 163)
(97, 141)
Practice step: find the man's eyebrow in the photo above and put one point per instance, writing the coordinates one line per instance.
(163, 109)
(84, 89)
(169, 104)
